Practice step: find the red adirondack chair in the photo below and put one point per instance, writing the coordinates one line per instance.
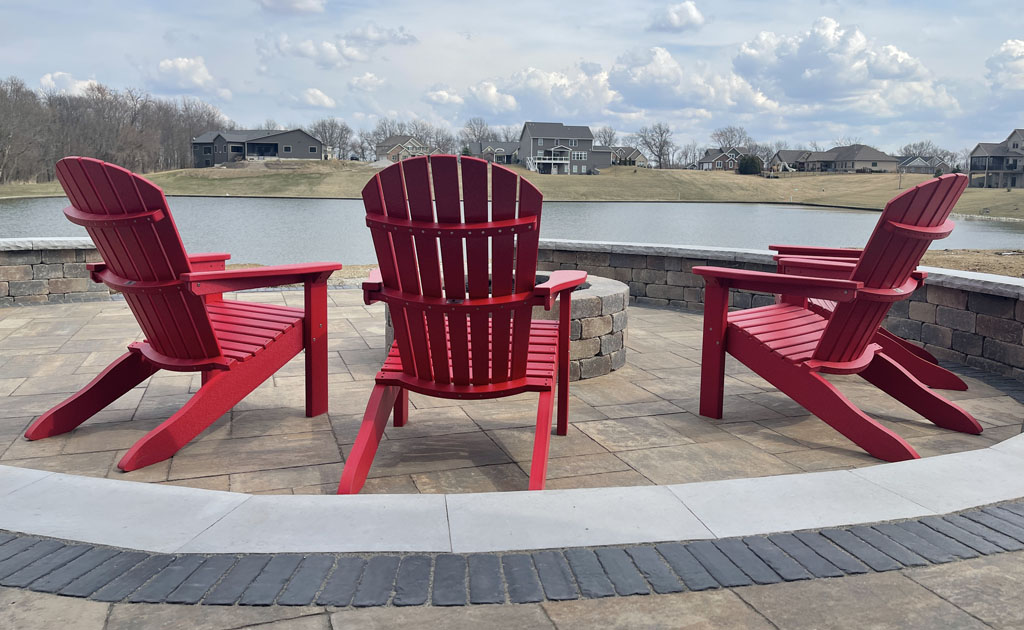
(839, 262)
(189, 327)
(448, 343)
(790, 345)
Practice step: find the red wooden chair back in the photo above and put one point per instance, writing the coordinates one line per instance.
(129, 222)
(908, 225)
(414, 212)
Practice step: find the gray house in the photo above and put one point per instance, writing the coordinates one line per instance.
(998, 164)
(494, 151)
(217, 147)
(555, 148)
(855, 158)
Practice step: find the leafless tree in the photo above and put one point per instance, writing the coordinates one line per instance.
(963, 158)
(731, 136)
(476, 130)
(270, 125)
(333, 133)
(444, 140)
(387, 127)
(845, 141)
(656, 141)
(687, 154)
(605, 137)
(364, 145)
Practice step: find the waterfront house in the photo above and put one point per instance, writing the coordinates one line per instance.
(722, 158)
(855, 158)
(217, 147)
(554, 148)
(998, 164)
(395, 148)
(627, 156)
(494, 151)
(923, 164)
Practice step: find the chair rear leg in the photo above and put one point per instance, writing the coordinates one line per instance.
(360, 458)
(924, 370)
(117, 379)
(909, 347)
(712, 369)
(402, 408)
(541, 441)
(895, 380)
(562, 361)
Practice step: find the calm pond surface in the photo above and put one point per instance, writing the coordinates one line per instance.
(279, 231)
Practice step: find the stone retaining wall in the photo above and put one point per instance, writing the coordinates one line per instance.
(47, 271)
(970, 318)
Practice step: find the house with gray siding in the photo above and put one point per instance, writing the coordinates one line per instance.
(855, 158)
(397, 148)
(998, 164)
(557, 149)
(218, 147)
(494, 151)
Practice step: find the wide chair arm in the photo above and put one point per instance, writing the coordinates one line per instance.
(559, 281)
(818, 267)
(207, 282)
(208, 261)
(829, 252)
(805, 286)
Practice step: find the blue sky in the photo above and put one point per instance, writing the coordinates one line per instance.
(799, 71)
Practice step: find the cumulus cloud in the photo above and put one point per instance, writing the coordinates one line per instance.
(188, 74)
(677, 18)
(293, 6)
(368, 82)
(65, 83)
(487, 94)
(315, 98)
(335, 52)
(443, 95)
(831, 65)
(1006, 67)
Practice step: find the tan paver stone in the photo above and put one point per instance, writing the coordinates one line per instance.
(100, 345)
(582, 465)
(951, 442)
(267, 396)
(398, 484)
(22, 609)
(631, 372)
(879, 600)
(622, 478)
(734, 408)
(435, 452)
(12, 428)
(1002, 433)
(808, 430)
(829, 458)
(632, 410)
(420, 401)
(684, 385)
(260, 422)
(456, 618)
(48, 365)
(217, 457)
(494, 415)
(777, 402)
(705, 610)
(695, 427)
(499, 478)
(364, 371)
(995, 411)
(610, 390)
(345, 398)
(988, 588)
(628, 434)
(21, 448)
(88, 464)
(153, 473)
(661, 360)
(762, 437)
(439, 421)
(976, 388)
(173, 617)
(355, 357)
(168, 384)
(753, 379)
(8, 385)
(90, 437)
(218, 482)
(340, 376)
(706, 461)
(518, 443)
(118, 330)
(300, 475)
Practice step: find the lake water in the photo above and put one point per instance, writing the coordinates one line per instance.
(279, 231)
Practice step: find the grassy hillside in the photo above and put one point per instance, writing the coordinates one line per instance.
(346, 179)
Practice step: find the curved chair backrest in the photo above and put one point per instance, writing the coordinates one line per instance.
(908, 225)
(129, 222)
(413, 210)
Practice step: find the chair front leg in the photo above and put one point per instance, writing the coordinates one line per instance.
(564, 316)
(314, 340)
(712, 369)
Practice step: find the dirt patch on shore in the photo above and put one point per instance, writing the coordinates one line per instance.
(997, 261)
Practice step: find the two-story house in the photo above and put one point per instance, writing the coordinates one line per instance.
(629, 156)
(217, 147)
(998, 165)
(923, 164)
(397, 148)
(560, 149)
(494, 151)
(722, 158)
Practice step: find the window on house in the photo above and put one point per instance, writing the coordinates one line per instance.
(540, 142)
(1015, 144)
(207, 162)
(574, 169)
(540, 153)
(579, 155)
(236, 149)
(874, 164)
(312, 149)
(718, 163)
(287, 148)
(573, 143)
(207, 150)
(731, 164)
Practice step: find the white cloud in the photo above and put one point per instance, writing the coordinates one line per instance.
(335, 52)
(375, 35)
(443, 95)
(315, 98)
(188, 74)
(293, 6)
(1006, 67)
(488, 95)
(65, 83)
(677, 18)
(368, 82)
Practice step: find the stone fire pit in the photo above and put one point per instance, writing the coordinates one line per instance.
(597, 327)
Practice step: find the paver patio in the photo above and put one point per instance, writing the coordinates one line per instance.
(636, 426)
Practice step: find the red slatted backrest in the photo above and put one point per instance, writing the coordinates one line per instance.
(886, 263)
(454, 346)
(175, 321)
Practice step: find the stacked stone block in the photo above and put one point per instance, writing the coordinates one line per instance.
(42, 275)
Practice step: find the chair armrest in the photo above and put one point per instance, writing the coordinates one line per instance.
(208, 261)
(559, 281)
(806, 286)
(819, 267)
(831, 252)
(373, 284)
(206, 282)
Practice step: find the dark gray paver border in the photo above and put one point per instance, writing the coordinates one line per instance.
(108, 574)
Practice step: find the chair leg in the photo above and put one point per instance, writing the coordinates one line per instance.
(924, 370)
(314, 340)
(541, 441)
(360, 458)
(117, 379)
(909, 347)
(402, 408)
(712, 370)
(895, 380)
(562, 362)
